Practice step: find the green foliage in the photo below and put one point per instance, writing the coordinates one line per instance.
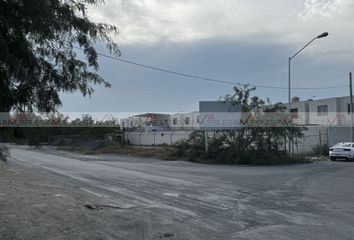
(38, 59)
(79, 130)
(192, 148)
(248, 144)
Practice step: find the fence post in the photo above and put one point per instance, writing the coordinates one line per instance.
(320, 138)
(206, 140)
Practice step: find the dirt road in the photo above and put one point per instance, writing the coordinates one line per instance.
(43, 196)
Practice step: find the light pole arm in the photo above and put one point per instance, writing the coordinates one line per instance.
(303, 48)
(289, 72)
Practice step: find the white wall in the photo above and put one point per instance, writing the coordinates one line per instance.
(156, 138)
(133, 122)
(312, 139)
(332, 104)
(343, 104)
(339, 134)
(303, 112)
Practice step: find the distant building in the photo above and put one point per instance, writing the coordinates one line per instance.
(328, 111)
(147, 122)
(184, 121)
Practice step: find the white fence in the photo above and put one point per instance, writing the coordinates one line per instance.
(339, 134)
(156, 138)
(313, 136)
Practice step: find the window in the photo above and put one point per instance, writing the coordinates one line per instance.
(348, 107)
(174, 121)
(187, 120)
(294, 110)
(322, 110)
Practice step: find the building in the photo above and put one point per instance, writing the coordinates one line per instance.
(146, 122)
(302, 110)
(184, 121)
(329, 111)
(326, 121)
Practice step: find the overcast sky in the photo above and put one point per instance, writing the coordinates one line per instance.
(244, 41)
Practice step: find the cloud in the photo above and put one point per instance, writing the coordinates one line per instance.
(327, 9)
(279, 21)
(139, 89)
(288, 22)
(233, 40)
(183, 20)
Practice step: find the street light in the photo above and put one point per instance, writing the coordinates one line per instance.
(322, 35)
(325, 34)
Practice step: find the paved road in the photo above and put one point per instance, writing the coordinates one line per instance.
(193, 201)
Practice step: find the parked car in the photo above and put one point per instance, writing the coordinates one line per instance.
(342, 150)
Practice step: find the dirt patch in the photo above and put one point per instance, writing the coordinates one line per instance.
(34, 206)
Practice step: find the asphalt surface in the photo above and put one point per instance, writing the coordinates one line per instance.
(187, 201)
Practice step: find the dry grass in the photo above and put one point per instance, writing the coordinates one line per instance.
(160, 152)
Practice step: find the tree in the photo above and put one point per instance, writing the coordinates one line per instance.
(250, 143)
(264, 139)
(241, 139)
(38, 53)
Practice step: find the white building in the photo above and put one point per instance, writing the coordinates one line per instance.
(184, 121)
(146, 122)
(328, 111)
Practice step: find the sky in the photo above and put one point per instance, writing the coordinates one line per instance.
(241, 41)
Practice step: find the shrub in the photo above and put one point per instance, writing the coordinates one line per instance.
(4, 153)
(191, 148)
(324, 149)
(225, 149)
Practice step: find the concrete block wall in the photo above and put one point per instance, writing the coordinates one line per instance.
(339, 134)
(156, 138)
(312, 137)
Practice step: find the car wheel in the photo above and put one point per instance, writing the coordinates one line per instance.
(333, 159)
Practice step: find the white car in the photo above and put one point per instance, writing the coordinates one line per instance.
(342, 150)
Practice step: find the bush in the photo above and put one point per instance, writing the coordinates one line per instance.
(223, 149)
(191, 149)
(324, 149)
(4, 153)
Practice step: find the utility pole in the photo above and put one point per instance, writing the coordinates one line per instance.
(320, 139)
(206, 140)
(289, 99)
(351, 106)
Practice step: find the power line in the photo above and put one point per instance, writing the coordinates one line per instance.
(209, 79)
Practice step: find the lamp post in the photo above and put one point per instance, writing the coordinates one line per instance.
(322, 35)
